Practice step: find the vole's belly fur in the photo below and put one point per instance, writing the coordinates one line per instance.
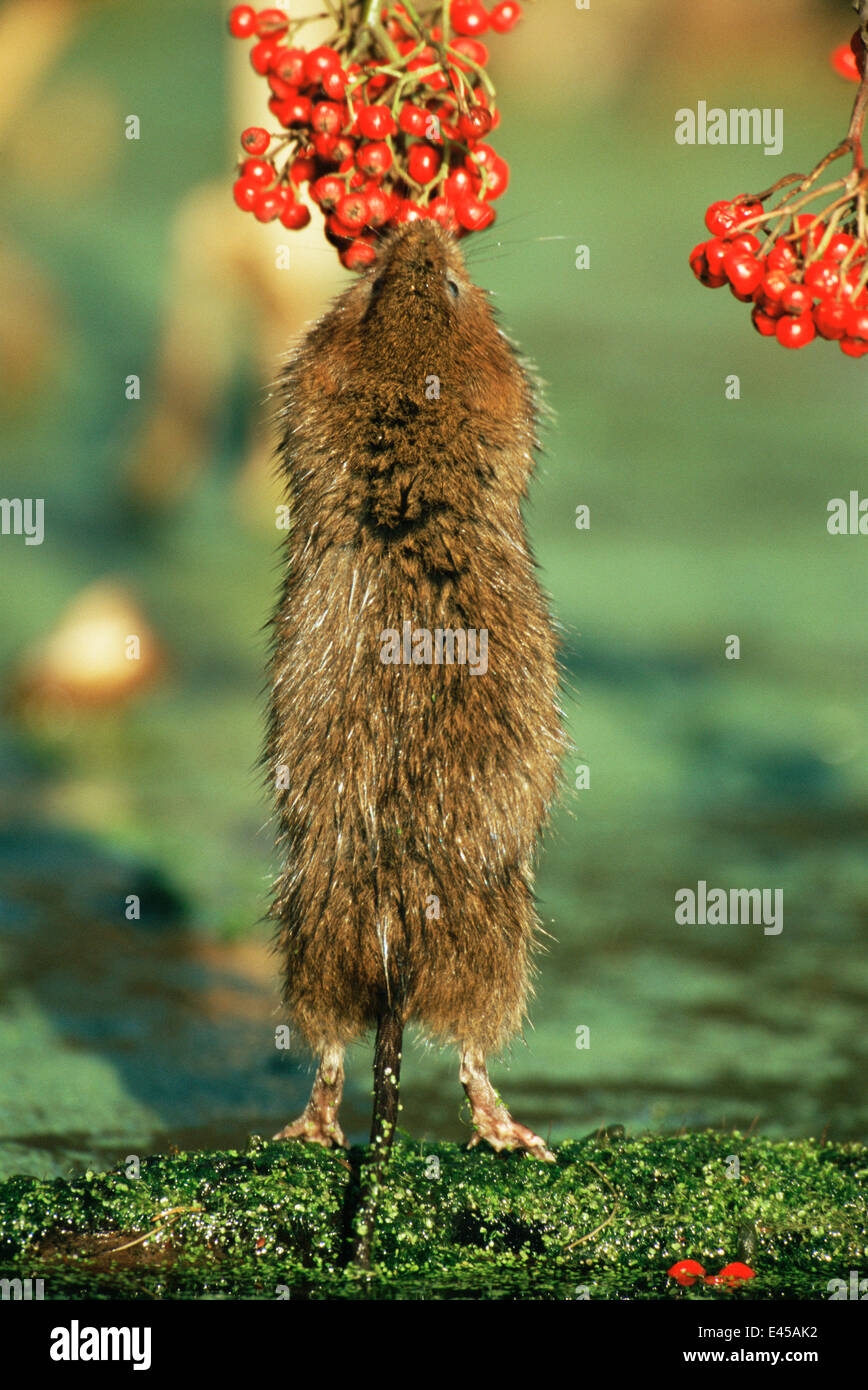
(416, 792)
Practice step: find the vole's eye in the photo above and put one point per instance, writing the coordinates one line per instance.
(452, 287)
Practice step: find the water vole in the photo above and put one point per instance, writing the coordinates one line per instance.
(414, 708)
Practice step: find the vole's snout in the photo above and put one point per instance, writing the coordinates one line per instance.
(420, 265)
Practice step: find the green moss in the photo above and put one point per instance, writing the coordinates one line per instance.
(609, 1218)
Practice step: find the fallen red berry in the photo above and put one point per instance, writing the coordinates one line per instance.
(686, 1272)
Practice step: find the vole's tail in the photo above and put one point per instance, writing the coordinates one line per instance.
(387, 1077)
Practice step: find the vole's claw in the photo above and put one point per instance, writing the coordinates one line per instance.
(501, 1131)
(314, 1129)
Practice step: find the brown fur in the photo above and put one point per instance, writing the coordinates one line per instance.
(409, 780)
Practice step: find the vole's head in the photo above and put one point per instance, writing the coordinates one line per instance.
(415, 327)
(419, 275)
(415, 313)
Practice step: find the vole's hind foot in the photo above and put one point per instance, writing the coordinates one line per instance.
(490, 1117)
(314, 1129)
(501, 1131)
(318, 1122)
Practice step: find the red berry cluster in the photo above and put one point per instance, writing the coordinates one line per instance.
(385, 125)
(806, 283)
(805, 273)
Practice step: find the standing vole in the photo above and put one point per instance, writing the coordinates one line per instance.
(414, 706)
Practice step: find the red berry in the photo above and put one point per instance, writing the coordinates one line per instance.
(245, 194)
(475, 123)
(358, 255)
(796, 299)
(736, 1270)
(258, 171)
(374, 158)
(468, 17)
(255, 140)
(344, 148)
(843, 60)
(774, 284)
(376, 122)
(338, 231)
(823, 277)
(856, 321)
(423, 163)
(269, 204)
(280, 88)
(795, 332)
(505, 16)
(271, 22)
(839, 246)
(459, 183)
(413, 119)
(327, 117)
(715, 250)
(295, 111)
(320, 61)
(469, 48)
(379, 205)
(743, 271)
(686, 1272)
(327, 190)
(295, 216)
(745, 211)
(334, 83)
(473, 214)
(746, 242)
(830, 319)
(302, 169)
(853, 347)
(495, 176)
(263, 54)
(782, 256)
(289, 65)
(352, 210)
(720, 218)
(242, 21)
(699, 266)
(763, 322)
(443, 212)
(408, 211)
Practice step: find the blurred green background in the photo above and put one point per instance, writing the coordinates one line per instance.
(708, 518)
